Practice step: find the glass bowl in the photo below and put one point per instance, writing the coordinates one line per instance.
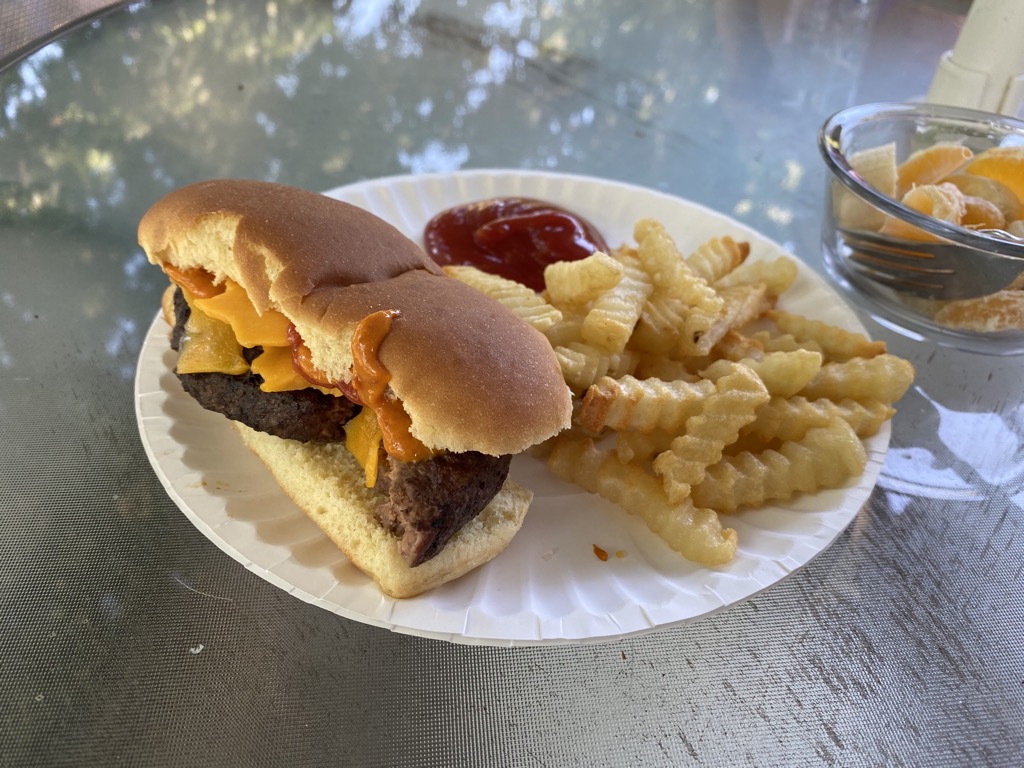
(866, 150)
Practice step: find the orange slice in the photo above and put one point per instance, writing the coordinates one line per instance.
(1005, 164)
(930, 165)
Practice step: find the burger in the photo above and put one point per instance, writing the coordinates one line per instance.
(386, 398)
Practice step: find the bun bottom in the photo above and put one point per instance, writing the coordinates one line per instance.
(327, 483)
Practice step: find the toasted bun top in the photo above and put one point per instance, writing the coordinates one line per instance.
(471, 375)
(469, 372)
(278, 242)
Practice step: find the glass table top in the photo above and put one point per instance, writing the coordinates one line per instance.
(129, 638)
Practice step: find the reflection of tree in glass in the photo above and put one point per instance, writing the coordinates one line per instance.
(286, 91)
(297, 92)
(111, 126)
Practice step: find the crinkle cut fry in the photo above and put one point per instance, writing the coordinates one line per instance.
(649, 366)
(644, 405)
(789, 418)
(614, 314)
(670, 273)
(783, 373)
(733, 405)
(826, 457)
(567, 330)
(582, 365)
(717, 257)
(885, 378)
(736, 346)
(837, 344)
(697, 534)
(525, 303)
(663, 324)
(642, 447)
(784, 342)
(743, 304)
(777, 274)
(575, 283)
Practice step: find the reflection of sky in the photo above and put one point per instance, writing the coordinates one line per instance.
(974, 454)
(984, 441)
(135, 267)
(21, 314)
(32, 88)
(435, 157)
(366, 19)
(501, 67)
(918, 471)
(1018, 499)
(122, 342)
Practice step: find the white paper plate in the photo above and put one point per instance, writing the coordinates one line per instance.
(548, 587)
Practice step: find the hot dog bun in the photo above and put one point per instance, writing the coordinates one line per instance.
(470, 374)
(473, 378)
(278, 242)
(326, 483)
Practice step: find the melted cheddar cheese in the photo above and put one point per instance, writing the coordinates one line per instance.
(275, 366)
(222, 323)
(209, 346)
(251, 328)
(223, 320)
(363, 440)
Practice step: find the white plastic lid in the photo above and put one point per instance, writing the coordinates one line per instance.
(985, 69)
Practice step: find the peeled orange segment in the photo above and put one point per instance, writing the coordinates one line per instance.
(940, 201)
(1000, 311)
(931, 165)
(980, 213)
(1004, 164)
(997, 193)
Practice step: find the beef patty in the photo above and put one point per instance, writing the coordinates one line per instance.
(307, 415)
(429, 501)
(424, 503)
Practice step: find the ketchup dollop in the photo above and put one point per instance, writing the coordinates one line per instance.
(515, 237)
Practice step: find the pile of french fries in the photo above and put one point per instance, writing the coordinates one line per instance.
(695, 397)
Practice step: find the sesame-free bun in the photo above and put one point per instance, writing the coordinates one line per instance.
(278, 242)
(327, 484)
(471, 374)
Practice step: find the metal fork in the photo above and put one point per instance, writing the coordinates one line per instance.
(933, 270)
